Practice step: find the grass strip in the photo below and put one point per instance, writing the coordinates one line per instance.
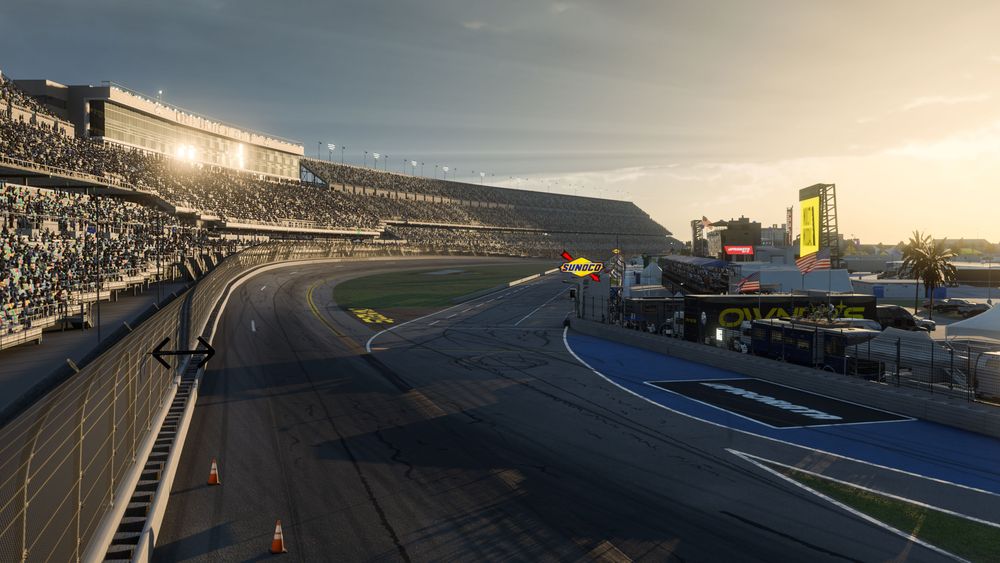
(967, 539)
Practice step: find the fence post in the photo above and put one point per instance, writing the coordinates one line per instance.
(930, 380)
(898, 348)
(79, 467)
(951, 378)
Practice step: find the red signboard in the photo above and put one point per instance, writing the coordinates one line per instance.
(740, 250)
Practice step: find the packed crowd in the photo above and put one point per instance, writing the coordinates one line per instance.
(696, 275)
(54, 245)
(11, 94)
(504, 207)
(537, 244)
(240, 197)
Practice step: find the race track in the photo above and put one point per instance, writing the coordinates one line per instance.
(473, 435)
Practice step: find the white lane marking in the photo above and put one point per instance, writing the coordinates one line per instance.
(859, 514)
(866, 489)
(533, 311)
(253, 326)
(466, 310)
(434, 323)
(451, 315)
(763, 437)
(368, 345)
(263, 287)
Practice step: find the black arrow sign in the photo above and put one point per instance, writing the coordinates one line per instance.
(159, 352)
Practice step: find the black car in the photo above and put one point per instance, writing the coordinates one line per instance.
(897, 317)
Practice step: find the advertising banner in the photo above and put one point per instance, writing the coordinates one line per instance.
(809, 241)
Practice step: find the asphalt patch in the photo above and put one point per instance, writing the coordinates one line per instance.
(775, 405)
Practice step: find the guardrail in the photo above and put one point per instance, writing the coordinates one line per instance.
(68, 461)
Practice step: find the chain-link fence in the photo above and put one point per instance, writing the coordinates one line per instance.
(913, 359)
(63, 459)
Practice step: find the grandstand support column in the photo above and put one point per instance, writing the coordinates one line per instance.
(97, 260)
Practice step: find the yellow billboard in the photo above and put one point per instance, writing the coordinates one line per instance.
(809, 239)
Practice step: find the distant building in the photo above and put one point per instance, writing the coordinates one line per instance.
(734, 240)
(773, 236)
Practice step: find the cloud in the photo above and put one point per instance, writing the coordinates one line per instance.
(925, 101)
(966, 145)
(559, 7)
(474, 25)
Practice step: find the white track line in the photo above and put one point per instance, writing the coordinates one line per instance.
(368, 345)
(253, 326)
(535, 310)
(867, 489)
(859, 514)
(768, 438)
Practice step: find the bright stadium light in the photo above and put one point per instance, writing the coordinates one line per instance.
(413, 163)
(331, 146)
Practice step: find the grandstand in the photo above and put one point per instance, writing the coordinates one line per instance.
(694, 274)
(149, 200)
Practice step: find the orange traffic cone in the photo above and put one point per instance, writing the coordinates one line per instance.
(213, 475)
(278, 543)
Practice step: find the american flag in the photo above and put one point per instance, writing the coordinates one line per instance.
(815, 261)
(749, 284)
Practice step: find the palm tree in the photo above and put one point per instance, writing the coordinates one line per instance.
(915, 260)
(937, 268)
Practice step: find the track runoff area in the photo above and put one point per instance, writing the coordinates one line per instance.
(485, 430)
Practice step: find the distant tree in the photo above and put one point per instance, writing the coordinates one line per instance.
(915, 260)
(937, 269)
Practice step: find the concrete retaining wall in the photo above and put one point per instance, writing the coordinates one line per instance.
(959, 413)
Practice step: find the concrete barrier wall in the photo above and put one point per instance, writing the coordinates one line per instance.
(958, 413)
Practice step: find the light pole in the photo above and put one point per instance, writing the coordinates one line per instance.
(375, 155)
(366, 159)
(421, 168)
(445, 169)
(330, 148)
(413, 168)
(482, 177)
(319, 147)
(435, 171)
(989, 280)
(342, 147)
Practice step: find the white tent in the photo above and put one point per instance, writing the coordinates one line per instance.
(984, 326)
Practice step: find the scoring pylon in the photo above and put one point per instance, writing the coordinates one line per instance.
(213, 475)
(278, 543)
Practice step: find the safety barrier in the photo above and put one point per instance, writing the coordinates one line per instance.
(67, 462)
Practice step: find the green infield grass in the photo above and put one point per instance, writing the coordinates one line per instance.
(966, 538)
(435, 287)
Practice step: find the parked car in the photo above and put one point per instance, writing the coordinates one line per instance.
(949, 305)
(897, 317)
(973, 309)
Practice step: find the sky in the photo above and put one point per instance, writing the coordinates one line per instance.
(720, 109)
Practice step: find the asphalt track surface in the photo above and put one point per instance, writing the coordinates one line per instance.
(475, 436)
